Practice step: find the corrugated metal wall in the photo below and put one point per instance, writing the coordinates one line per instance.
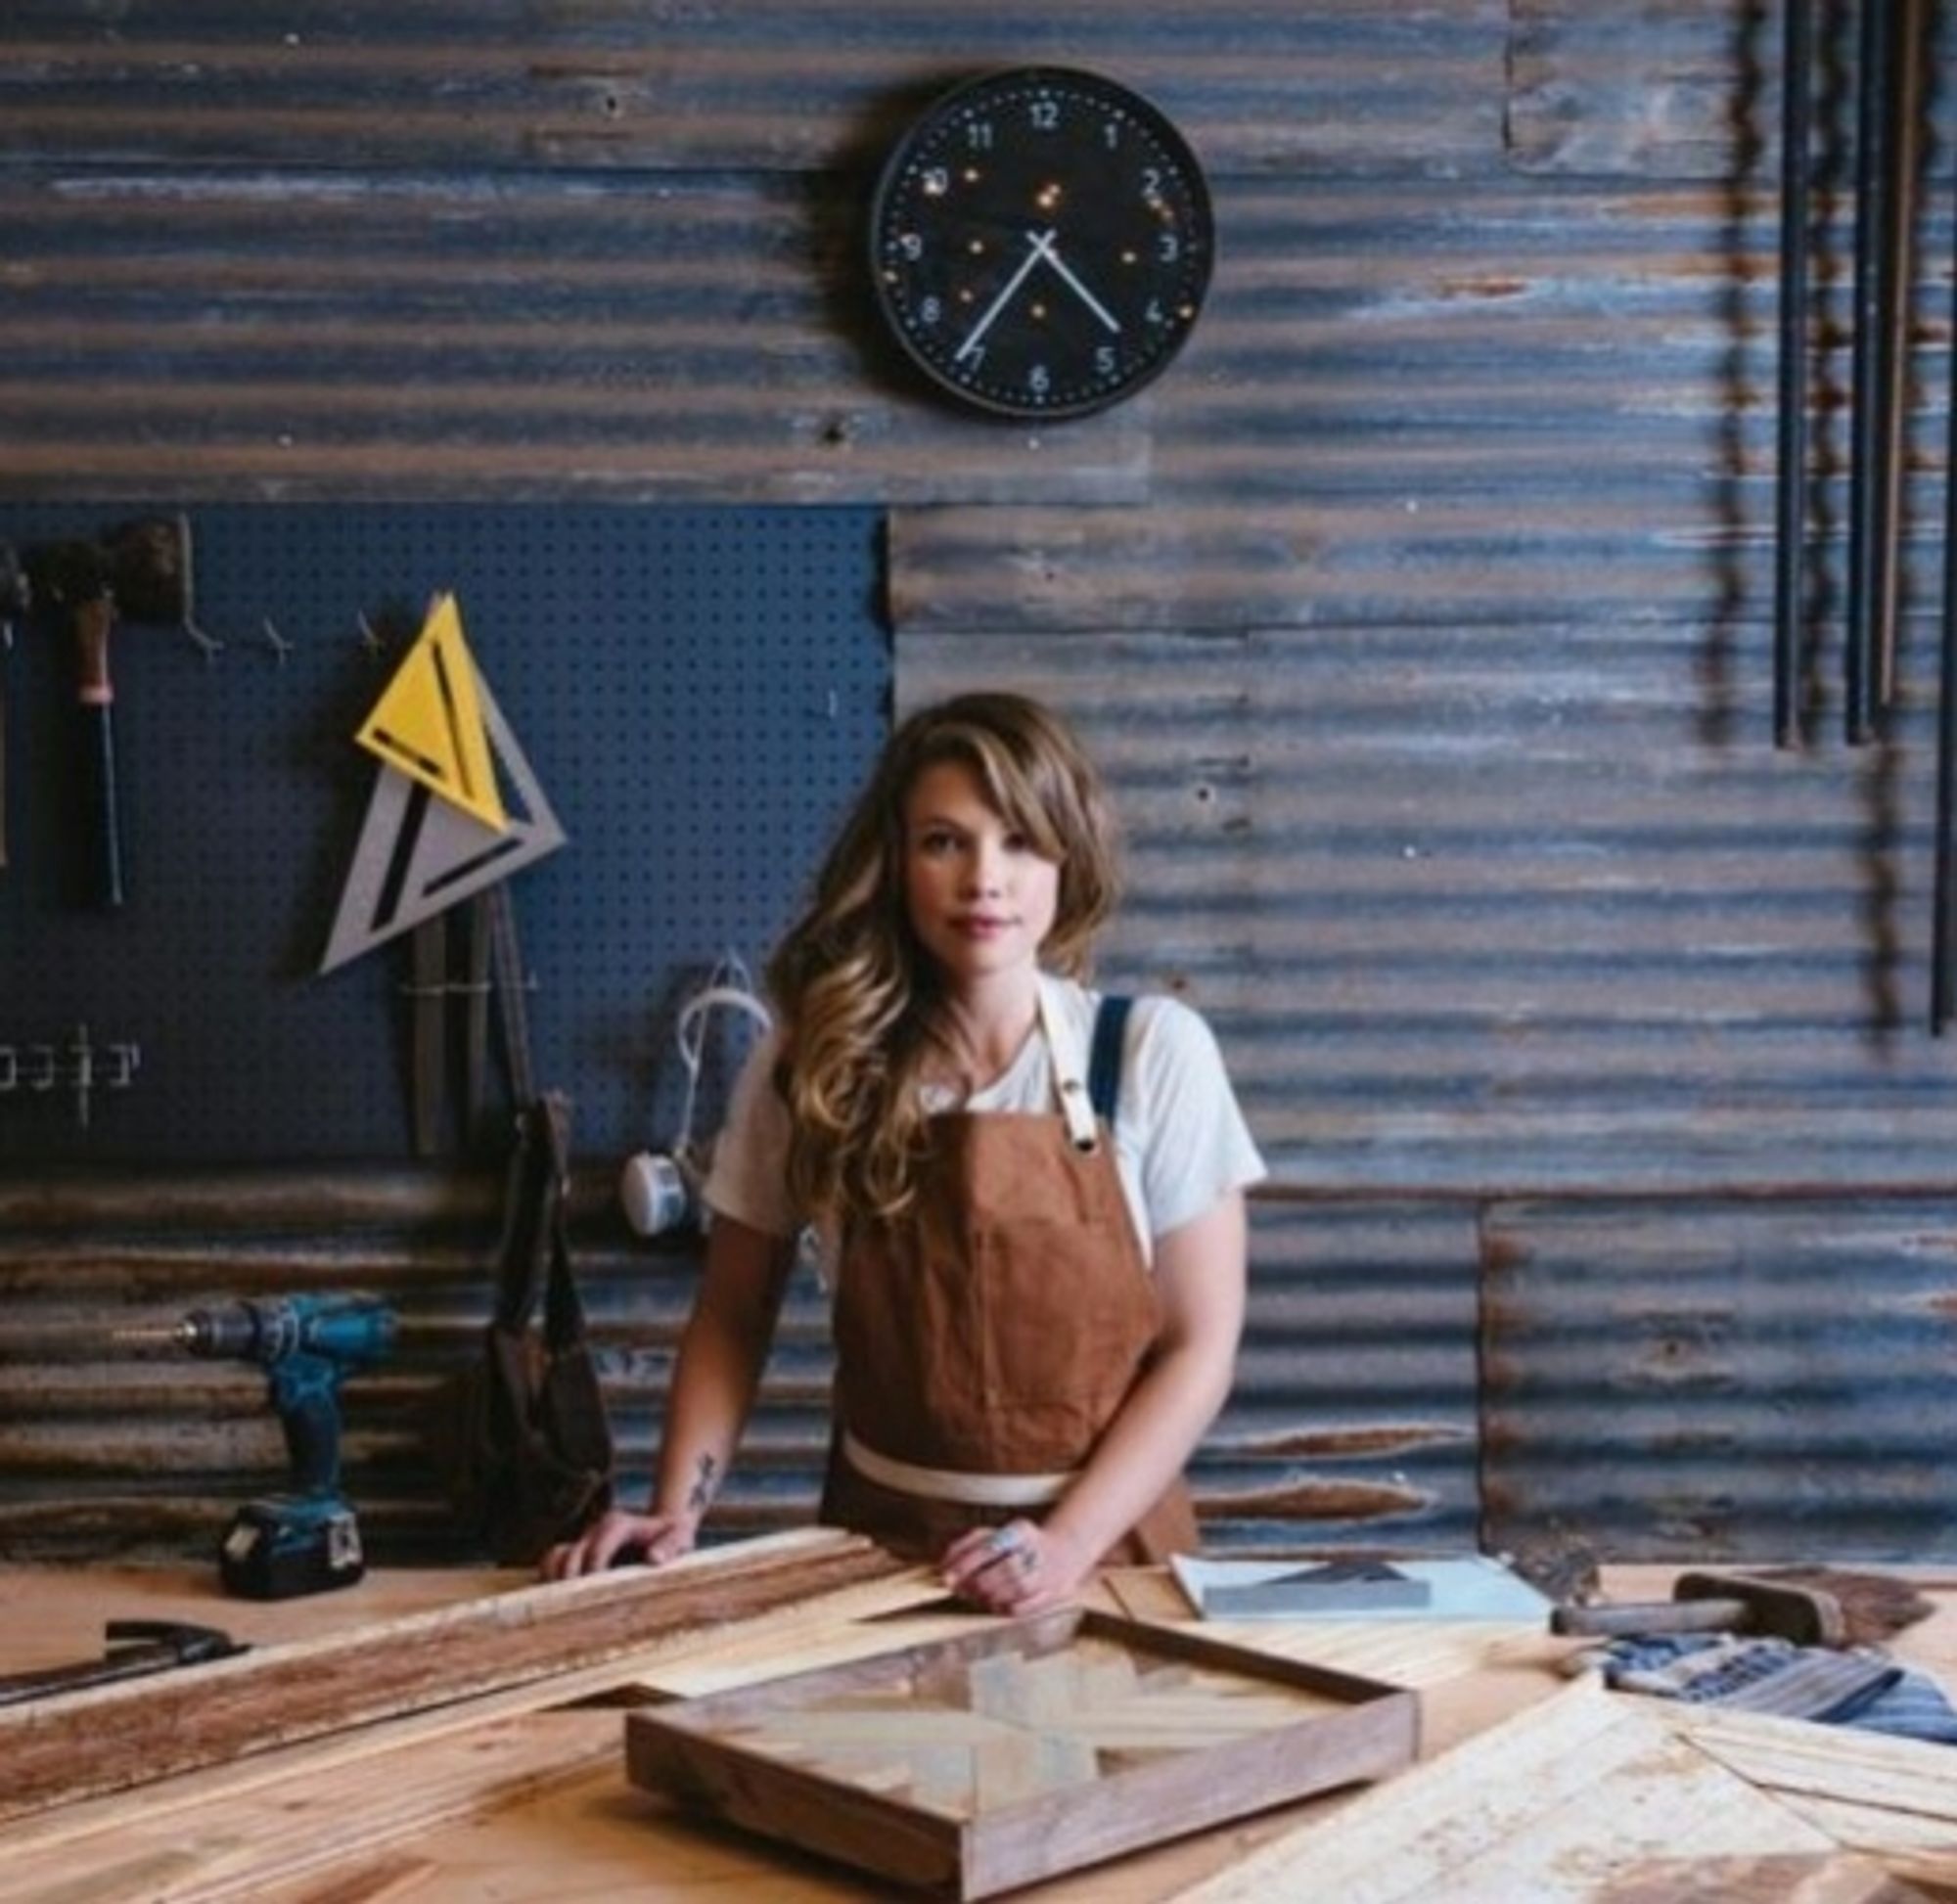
(1419, 613)
(126, 1449)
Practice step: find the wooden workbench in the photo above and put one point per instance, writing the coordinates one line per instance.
(533, 1805)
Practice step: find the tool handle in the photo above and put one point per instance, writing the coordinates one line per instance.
(17, 1688)
(103, 819)
(94, 616)
(1711, 1615)
(93, 619)
(305, 1392)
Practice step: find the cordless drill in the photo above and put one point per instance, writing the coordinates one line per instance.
(307, 1540)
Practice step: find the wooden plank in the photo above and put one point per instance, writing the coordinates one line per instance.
(1873, 1772)
(1585, 1797)
(118, 1814)
(852, 1624)
(437, 1730)
(1406, 1652)
(117, 1736)
(244, 1843)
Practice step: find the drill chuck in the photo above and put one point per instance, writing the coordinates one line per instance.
(347, 1330)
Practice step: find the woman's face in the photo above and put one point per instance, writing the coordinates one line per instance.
(980, 900)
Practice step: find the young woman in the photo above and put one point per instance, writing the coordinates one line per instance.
(1035, 1316)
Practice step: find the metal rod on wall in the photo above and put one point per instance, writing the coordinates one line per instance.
(1790, 466)
(1899, 262)
(1868, 527)
(1943, 948)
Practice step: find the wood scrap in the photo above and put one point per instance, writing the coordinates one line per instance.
(118, 1813)
(270, 1824)
(1841, 1762)
(852, 1623)
(357, 1817)
(109, 1738)
(1405, 1652)
(1587, 1795)
(1893, 1799)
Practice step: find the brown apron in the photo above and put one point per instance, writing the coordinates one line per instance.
(994, 1332)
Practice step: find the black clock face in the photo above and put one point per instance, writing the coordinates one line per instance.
(1040, 243)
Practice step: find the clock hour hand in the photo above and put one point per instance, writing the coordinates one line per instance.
(1036, 241)
(1042, 243)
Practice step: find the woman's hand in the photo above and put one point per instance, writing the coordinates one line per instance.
(616, 1537)
(1021, 1567)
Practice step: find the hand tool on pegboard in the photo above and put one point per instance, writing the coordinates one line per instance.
(139, 571)
(483, 944)
(428, 995)
(455, 812)
(16, 597)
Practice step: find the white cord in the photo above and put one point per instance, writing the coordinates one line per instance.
(727, 985)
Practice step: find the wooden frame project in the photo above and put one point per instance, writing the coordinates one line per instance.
(1026, 1749)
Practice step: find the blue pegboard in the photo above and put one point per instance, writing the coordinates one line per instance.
(698, 691)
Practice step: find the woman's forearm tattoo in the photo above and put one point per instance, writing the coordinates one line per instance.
(702, 1487)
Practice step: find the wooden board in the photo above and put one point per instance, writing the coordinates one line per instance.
(357, 1806)
(109, 1738)
(972, 1765)
(852, 1624)
(1893, 1798)
(1591, 1795)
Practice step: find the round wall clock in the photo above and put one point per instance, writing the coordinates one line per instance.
(1040, 242)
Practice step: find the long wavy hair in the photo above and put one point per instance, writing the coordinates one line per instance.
(861, 1004)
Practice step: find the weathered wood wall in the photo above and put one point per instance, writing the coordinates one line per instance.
(1420, 614)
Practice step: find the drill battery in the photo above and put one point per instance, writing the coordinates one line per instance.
(285, 1546)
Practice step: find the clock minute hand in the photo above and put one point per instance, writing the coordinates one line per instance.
(1042, 243)
(1036, 241)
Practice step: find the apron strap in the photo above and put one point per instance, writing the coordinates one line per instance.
(1070, 1072)
(1104, 1063)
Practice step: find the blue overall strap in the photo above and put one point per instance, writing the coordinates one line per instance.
(1104, 1062)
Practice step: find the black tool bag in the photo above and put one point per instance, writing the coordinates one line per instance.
(527, 1449)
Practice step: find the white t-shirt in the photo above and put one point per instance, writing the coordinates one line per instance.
(1180, 1140)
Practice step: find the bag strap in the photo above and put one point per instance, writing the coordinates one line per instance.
(533, 1257)
(1104, 1060)
(563, 1313)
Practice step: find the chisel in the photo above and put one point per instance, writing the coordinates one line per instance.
(74, 576)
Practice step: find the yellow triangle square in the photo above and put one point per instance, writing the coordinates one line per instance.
(429, 719)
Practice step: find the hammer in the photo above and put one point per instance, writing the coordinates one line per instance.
(143, 570)
(136, 1648)
(1715, 1603)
